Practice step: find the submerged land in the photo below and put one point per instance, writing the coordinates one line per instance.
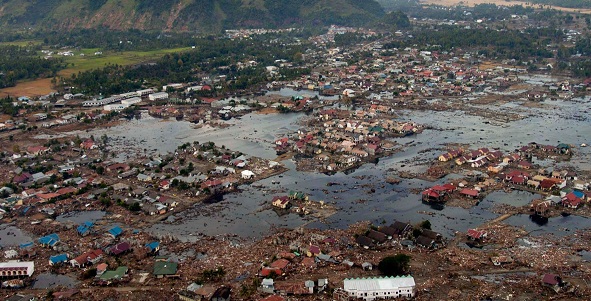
(301, 160)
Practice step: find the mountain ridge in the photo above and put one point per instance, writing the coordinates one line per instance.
(184, 15)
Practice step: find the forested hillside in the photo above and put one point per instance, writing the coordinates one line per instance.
(183, 15)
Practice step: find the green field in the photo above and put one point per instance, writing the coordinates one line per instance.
(91, 61)
(78, 63)
(21, 43)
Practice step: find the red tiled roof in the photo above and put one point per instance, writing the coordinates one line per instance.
(475, 234)
(268, 271)
(279, 263)
(470, 192)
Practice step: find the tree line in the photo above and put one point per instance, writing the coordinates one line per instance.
(18, 63)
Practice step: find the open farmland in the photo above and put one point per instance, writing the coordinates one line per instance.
(80, 63)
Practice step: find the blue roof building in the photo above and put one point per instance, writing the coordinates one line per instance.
(115, 231)
(578, 194)
(50, 240)
(84, 228)
(26, 245)
(153, 246)
(58, 259)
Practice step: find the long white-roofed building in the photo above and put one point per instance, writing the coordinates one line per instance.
(15, 268)
(380, 287)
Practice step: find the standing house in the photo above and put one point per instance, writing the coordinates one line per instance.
(84, 228)
(57, 259)
(370, 289)
(280, 202)
(165, 269)
(49, 241)
(469, 192)
(120, 248)
(158, 96)
(87, 258)
(115, 231)
(16, 269)
(572, 201)
(153, 247)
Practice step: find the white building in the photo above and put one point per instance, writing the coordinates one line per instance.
(15, 268)
(247, 174)
(380, 288)
(115, 107)
(158, 96)
(173, 86)
(144, 92)
(131, 101)
(194, 88)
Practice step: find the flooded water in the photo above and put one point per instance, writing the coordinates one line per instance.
(363, 193)
(79, 217)
(585, 255)
(559, 226)
(253, 134)
(514, 198)
(288, 92)
(48, 280)
(11, 236)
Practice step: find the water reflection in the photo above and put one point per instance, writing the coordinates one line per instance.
(538, 219)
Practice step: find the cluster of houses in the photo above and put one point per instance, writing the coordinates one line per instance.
(340, 138)
(403, 233)
(108, 242)
(295, 201)
(140, 186)
(562, 187)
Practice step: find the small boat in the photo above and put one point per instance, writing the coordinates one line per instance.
(583, 144)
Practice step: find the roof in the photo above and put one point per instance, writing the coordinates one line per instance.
(551, 279)
(364, 241)
(424, 241)
(387, 230)
(267, 271)
(165, 268)
(59, 258)
(475, 233)
(50, 240)
(88, 256)
(273, 298)
(279, 263)
(84, 227)
(153, 245)
(120, 248)
(377, 236)
(29, 266)
(470, 192)
(115, 231)
(116, 274)
(373, 284)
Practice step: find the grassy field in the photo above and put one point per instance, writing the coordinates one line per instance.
(79, 63)
(21, 43)
(90, 61)
(32, 88)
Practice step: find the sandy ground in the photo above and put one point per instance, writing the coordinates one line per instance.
(500, 2)
(34, 88)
